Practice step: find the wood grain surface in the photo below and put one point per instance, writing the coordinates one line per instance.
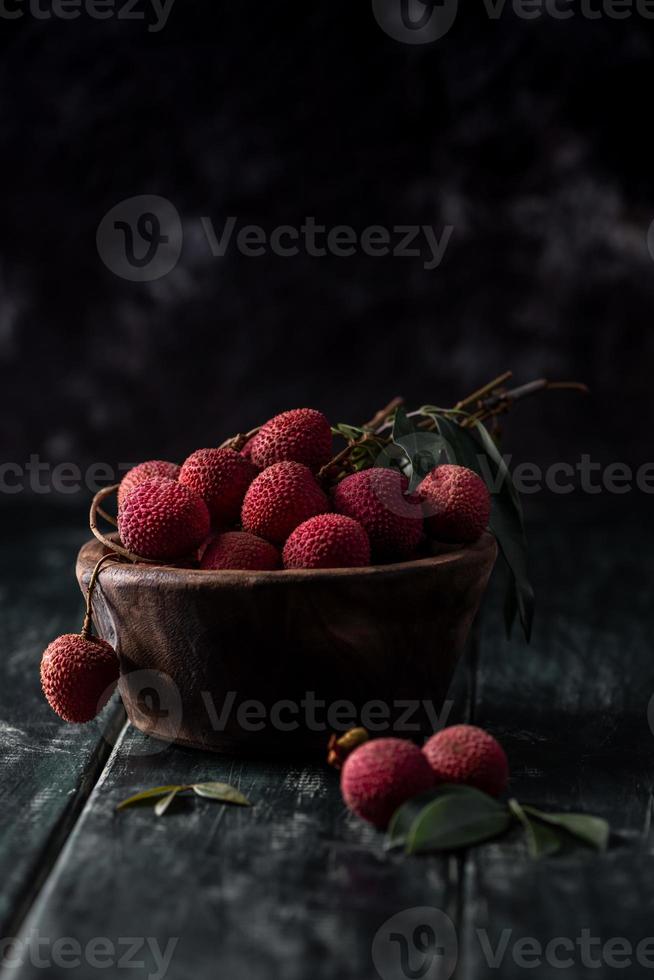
(297, 888)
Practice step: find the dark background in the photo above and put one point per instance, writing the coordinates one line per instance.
(532, 138)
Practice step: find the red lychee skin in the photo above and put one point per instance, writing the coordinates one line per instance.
(163, 520)
(469, 755)
(381, 775)
(302, 435)
(149, 470)
(78, 676)
(220, 477)
(377, 499)
(246, 451)
(279, 499)
(327, 541)
(457, 503)
(240, 550)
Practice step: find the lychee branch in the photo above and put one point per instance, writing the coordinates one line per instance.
(87, 625)
(487, 402)
(238, 441)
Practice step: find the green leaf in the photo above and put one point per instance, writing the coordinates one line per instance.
(507, 523)
(222, 792)
(506, 518)
(457, 820)
(404, 817)
(148, 795)
(165, 802)
(402, 424)
(541, 840)
(421, 448)
(593, 831)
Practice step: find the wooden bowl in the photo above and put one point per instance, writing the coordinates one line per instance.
(273, 662)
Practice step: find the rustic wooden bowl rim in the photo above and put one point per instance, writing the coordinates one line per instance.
(182, 577)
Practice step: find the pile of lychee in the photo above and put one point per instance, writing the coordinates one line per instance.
(380, 775)
(266, 507)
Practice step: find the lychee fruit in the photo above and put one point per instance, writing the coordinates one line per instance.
(302, 435)
(220, 477)
(377, 498)
(280, 498)
(327, 541)
(240, 550)
(163, 520)
(457, 503)
(78, 676)
(379, 776)
(149, 470)
(247, 450)
(469, 755)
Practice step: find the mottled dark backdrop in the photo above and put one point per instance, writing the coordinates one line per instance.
(532, 138)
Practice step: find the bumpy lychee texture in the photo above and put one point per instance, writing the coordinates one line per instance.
(150, 470)
(378, 500)
(220, 477)
(78, 676)
(327, 541)
(381, 775)
(240, 550)
(302, 435)
(469, 755)
(457, 503)
(279, 499)
(163, 520)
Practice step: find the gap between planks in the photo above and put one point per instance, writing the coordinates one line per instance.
(65, 826)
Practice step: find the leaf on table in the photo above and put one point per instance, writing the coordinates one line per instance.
(148, 795)
(222, 792)
(165, 801)
(542, 840)
(593, 831)
(457, 819)
(405, 816)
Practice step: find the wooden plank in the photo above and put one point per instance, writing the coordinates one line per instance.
(47, 768)
(294, 887)
(572, 710)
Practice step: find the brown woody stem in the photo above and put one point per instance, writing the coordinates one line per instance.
(489, 401)
(88, 620)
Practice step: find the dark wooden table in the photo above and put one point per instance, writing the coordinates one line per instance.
(296, 887)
